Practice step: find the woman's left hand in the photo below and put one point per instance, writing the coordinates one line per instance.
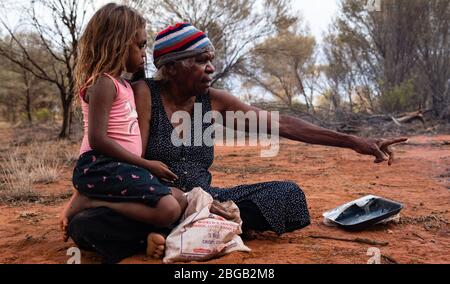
(380, 148)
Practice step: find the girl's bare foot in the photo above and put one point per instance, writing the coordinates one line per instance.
(156, 244)
(76, 204)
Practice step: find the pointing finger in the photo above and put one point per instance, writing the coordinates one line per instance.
(391, 155)
(392, 142)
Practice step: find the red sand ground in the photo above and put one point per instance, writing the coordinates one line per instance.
(420, 179)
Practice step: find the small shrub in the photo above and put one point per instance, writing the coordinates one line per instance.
(16, 181)
(43, 115)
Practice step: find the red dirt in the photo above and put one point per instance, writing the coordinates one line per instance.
(420, 179)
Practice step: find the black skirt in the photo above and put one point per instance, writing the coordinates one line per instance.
(100, 177)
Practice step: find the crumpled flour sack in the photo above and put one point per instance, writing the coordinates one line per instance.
(203, 235)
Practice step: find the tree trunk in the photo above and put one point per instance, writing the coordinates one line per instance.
(13, 112)
(289, 101)
(445, 113)
(28, 106)
(337, 105)
(308, 106)
(438, 106)
(350, 100)
(71, 119)
(66, 120)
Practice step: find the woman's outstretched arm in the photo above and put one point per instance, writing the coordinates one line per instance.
(299, 130)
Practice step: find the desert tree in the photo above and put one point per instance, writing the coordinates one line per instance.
(234, 26)
(58, 25)
(434, 55)
(284, 64)
(28, 92)
(399, 55)
(281, 65)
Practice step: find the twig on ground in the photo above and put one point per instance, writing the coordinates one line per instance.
(357, 240)
(417, 235)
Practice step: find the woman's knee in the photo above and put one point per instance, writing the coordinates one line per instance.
(81, 230)
(291, 186)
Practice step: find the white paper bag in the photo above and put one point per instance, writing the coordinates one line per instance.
(203, 235)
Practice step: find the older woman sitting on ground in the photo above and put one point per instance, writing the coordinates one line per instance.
(184, 58)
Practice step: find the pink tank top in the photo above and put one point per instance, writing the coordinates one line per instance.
(123, 124)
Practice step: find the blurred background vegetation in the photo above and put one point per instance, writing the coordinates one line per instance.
(375, 63)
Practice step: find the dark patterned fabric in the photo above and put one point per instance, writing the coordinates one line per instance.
(282, 204)
(100, 177)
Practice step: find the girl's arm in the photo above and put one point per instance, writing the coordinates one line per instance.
(101, 97)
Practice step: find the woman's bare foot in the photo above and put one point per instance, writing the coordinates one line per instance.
(156, 244)
(76, 204)
(249, 235)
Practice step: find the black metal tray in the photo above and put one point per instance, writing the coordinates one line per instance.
(356, 218)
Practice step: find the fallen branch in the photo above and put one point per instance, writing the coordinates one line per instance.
(404, 118)
(357, 240)
(410, 117)
(396, 121)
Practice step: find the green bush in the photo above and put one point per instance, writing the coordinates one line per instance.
(43, 115)
(399, 99)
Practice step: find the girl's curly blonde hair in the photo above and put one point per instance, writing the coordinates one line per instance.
(105, 44)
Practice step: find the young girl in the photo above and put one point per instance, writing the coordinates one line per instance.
(111, 172)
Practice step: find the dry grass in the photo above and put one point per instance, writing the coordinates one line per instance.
(16, 183)
(22, 167)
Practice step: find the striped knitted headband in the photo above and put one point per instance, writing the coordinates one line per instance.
(179, 42)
